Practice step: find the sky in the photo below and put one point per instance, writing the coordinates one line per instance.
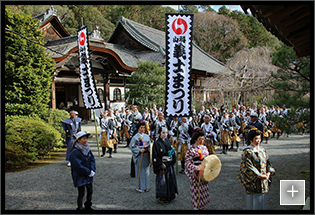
(215, 7)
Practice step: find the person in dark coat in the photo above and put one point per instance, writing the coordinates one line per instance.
(71, 126)
(82, 169)
(163, 157)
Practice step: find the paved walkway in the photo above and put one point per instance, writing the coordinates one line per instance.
(50, 187)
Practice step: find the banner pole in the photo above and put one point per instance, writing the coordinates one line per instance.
(177, 146)
(98, 144)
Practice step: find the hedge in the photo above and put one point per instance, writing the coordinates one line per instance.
(54, 118)
(28, 139)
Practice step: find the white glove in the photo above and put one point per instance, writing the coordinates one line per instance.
(92, 174)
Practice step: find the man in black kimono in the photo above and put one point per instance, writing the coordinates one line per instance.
(163, 156)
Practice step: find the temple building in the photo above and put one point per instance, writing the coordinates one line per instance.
(113, 61)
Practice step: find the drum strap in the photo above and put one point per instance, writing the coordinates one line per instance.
(197, 161)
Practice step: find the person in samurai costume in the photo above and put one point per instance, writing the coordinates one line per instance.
(140, 147)
(136, 118)
(194, 157)
(153, 112)
(156, 125)
(164, 158)
(172, 132)
(201, 115)
(210, 135)
(264, 121)
(71, 126)
(254, 122)
(146, 118)
(216, 128)
(236, 123)
(185, 131)
(128, 123)
(226, 131)
(118, 127)
(115, 131)
(107, 127)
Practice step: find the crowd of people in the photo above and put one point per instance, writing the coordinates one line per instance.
(192, 137)
(222, 127)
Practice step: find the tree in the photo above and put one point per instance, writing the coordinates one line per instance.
(192, 9)
(147, 85)
(92, 17)
(292, 79)
(224, 10)
(205, 8)
(150, 15)
(252, 29)
(250, 75)
(28, 69)
(291, 83)
(218, 35)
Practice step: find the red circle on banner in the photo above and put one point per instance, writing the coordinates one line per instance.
(82, 39)
(179, 26)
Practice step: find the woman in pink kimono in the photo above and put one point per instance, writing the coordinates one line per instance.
(193, 159)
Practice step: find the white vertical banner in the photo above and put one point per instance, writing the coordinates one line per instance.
(88, 88)
(178, 64)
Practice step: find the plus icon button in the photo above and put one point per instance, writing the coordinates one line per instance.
(292, 191)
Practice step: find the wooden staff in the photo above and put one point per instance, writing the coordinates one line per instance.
(177, 146)
(199, 173)
(139, 169)
(199, 191)
(98, 144)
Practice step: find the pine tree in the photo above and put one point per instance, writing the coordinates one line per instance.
(147, 85)
(28, 69)
(292, 88)
(292, 80)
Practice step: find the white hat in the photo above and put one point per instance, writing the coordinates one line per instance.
(253, 114)
(82, 134)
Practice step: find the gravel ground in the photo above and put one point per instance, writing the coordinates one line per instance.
(50, 187)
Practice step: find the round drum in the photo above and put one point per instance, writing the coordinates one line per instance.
(212, 168)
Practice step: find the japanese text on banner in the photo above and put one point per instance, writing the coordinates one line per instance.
(89, 93)
(179, 55)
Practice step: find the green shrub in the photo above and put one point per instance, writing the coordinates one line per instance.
(27, 139)
(54, 118)
(15, 156)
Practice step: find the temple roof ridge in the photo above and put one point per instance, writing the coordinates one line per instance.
(154, 39)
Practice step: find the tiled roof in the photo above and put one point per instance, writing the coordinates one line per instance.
(155, 40)
(149, 37)
(64, 45)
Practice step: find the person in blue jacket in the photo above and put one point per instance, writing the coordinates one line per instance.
(82, 169)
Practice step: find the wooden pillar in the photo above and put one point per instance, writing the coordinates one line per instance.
(53, 94)
(106, 91)
(104, 95)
